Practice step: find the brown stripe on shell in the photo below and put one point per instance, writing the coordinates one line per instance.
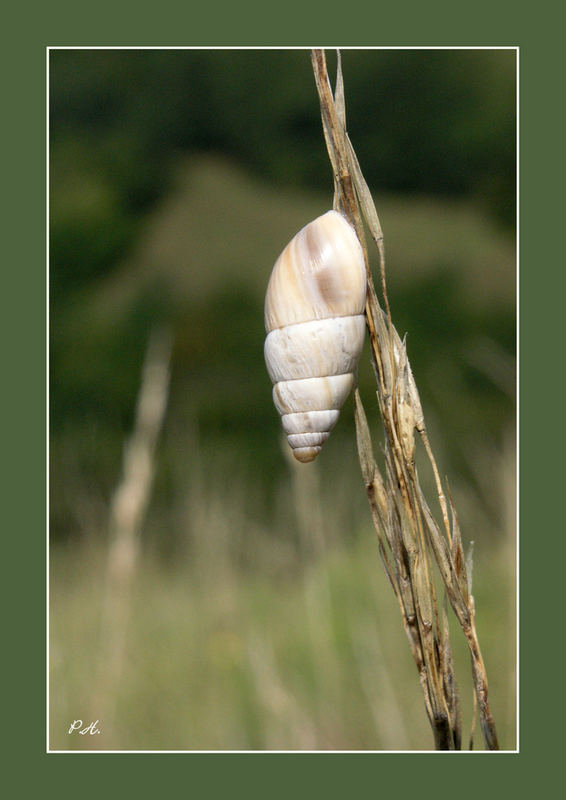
(320, 274)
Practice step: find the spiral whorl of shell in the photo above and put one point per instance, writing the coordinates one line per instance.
(314, 317)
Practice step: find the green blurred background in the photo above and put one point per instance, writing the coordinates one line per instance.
(258, 614)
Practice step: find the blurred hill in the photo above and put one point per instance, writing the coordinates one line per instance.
(201, 263)
(430, 122)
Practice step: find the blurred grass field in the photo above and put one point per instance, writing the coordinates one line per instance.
(251, 642)
(260, 615)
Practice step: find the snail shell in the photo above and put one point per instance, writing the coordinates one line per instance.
(314, 318)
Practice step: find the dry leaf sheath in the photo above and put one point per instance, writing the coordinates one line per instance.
(411, 542)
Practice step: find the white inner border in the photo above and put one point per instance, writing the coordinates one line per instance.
(261, 752)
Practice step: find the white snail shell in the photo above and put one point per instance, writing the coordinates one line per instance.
(314, 318)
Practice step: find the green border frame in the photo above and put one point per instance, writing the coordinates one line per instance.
(446, 24)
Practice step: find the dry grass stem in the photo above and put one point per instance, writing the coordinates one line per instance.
(412, 545)
(127, 511)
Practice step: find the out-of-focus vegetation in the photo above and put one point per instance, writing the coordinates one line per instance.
(300, 647)
(176, 178)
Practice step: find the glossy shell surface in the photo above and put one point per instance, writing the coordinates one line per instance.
(314, 318)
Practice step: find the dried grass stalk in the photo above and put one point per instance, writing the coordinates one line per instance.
(127, 512)
(411, 542)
